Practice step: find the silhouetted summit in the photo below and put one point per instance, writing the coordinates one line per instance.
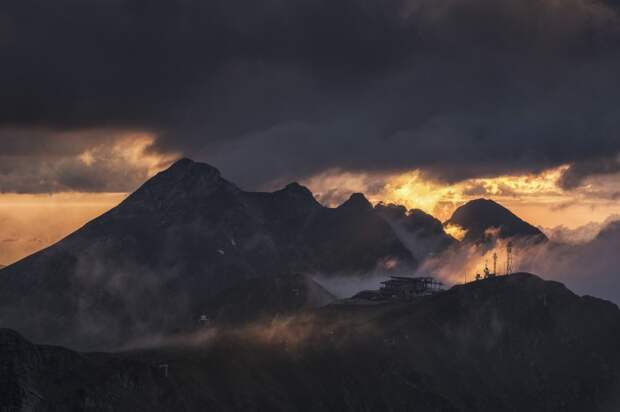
(357, 202)
(484, 218)
(159, 259)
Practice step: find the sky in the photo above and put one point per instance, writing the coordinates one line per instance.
(428, 103)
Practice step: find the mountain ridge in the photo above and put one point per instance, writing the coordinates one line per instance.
(185, 236)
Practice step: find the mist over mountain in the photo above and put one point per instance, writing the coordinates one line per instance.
(588, 267)
(190, 240)
(164, 284)
(183, 238)
(578, 235)
(509, 343)
(209, 296)
(483, 220)
(423, 234)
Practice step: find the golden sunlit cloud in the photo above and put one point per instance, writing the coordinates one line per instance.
(415, 192)
(537, 198)
(461, 265)
(131, 150)
(455, 231)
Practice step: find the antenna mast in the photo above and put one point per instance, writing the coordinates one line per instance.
(509, 258)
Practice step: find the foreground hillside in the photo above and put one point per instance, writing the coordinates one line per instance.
(513, 343)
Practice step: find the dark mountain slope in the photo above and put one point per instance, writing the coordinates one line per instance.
(266, 297)
(153, 263)
(48, 378)
(483, 219)
(513, 343)
(423, 234)
(336, 237)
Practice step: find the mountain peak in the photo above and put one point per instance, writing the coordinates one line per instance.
(296, 197)
(480, 207)
(357, 201)
(184, 179)
(479, 215)
(183, 161)
(391, 210)
(295, 187)
(186, 165)
(482, 202)
(297, 190)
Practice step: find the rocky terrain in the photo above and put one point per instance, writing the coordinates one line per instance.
(510, 343)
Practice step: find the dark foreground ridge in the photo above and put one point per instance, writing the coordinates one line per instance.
(513, 343)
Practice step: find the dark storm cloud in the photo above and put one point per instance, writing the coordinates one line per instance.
(574, 176)
(45, 161)
(285, 89)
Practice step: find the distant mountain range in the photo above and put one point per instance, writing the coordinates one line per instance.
(512, 343)
(189, 243)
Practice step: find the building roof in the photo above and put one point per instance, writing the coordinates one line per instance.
(409, 279)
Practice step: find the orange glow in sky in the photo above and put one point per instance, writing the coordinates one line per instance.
(31, 222)
(536, 198)
(455, 231)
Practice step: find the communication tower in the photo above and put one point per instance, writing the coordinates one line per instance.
(509, 258)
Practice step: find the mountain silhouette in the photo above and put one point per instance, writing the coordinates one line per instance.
(484, 219)
(158, 260)
(422, 233)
